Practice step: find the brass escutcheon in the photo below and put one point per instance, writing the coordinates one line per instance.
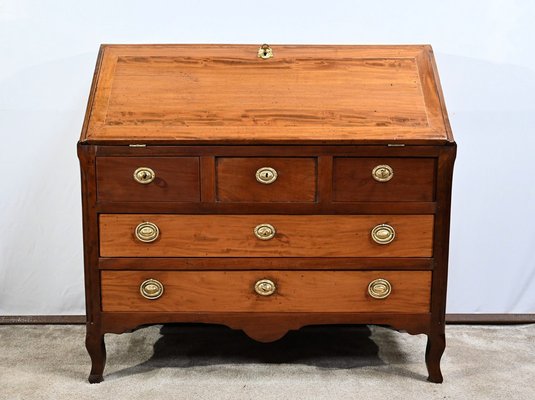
(265, 52)
(151, 289)
(144, 175)
(266, 175)
(264, 231)
(383, 234)
(265, 287)
(383, 173)
(379, 288)
(147, 232)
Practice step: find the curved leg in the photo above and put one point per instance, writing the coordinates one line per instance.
(94, 343)
(436, 343)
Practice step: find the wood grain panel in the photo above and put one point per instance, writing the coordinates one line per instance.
(413, 180)
(297, 236)
(236, 180)
(177, 179)
(170, 94)
(297, 291)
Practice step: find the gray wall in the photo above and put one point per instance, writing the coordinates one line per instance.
(487, 63)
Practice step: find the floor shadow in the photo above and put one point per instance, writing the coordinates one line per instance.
(194, 345)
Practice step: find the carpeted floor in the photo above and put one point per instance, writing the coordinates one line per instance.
(212, 362)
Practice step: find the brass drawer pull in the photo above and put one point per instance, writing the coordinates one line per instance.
(265, 287)
(379, 289)
(147, 232)
(383, 234)
(265, 231)
(266, 175)
(144, 175)
(151, 289)
(383, 173)
(265, 52)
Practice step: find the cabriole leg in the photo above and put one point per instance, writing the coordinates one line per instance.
(436, 343)
(94, 343)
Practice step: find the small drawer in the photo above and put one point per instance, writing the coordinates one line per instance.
(266, 291)
(155, 179)
(266, 180)
(383, 179)
(157, 235)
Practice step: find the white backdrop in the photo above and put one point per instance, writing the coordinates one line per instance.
(486, 57)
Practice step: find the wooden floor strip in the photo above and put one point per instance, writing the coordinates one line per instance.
(461, 319)
(41, 319)
(490, 319)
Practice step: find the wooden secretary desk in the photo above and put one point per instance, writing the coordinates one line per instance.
(266, 188)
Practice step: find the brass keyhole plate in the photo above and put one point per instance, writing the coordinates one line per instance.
(265, 52)
(383, 173)
(144, 175)
(264, 231)
(266, 175)
(265, 287)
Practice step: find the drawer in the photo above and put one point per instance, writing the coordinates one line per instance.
(262, 180)
(158, 179)
(265, 235)
(293, 291)
(383, 179)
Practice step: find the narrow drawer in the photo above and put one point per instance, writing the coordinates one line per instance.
(148, 179)
(281, 291)
(383, 179)
(156, 235)
(263, 180)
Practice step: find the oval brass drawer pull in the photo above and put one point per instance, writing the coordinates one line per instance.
(144, 175)
(383, 234)
(379, 288)
(265, 231)
(265, 287)
(383, 173)
(151, 289)
(147, 232)
(266, 175)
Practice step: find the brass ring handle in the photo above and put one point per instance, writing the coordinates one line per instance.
(266, 175)
(383, 234)
(379, 289)
(144, 175)
(265, 287)
(265, 231)
(265, 52)
(383, 173)
(151, 289)
(147, 232)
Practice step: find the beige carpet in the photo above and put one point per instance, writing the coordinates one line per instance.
(211, 362)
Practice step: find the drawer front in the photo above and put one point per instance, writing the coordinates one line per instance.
(158, 179)
(294, 235)
(293, 291)
(262, 180)
(383, 179)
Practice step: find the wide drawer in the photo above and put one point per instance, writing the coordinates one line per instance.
(153, 179)
(292, 291)
(156, 235)
(265, 179)
(383, 179)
